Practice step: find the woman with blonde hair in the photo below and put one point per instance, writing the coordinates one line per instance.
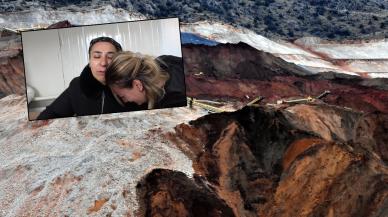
(150, 83)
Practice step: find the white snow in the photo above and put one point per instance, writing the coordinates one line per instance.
(378, 75)
(227, 34)
(371, 50)
(373, 66)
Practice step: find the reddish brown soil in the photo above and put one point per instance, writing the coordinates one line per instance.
(97, 205)
(357, 97)
(171, 194)
(272, 162)
(12, 76)
(240, 72)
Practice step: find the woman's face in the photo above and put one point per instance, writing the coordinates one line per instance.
(134, 94)
(100, 56)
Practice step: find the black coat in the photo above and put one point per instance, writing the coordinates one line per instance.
(175, 87)
(84, 96)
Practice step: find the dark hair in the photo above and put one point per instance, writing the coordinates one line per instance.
(105, 39)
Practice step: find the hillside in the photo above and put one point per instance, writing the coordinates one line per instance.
(292, 19)
(367, 58)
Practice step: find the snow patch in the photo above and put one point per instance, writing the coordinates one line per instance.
(224, 33)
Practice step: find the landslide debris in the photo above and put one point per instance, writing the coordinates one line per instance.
(277, 162)
(240, 72)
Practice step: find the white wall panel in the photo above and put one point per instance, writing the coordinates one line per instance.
(170, 37)
(42, 60)
(135, 39)
(73, 52)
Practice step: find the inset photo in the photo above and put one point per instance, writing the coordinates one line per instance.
(105, 68)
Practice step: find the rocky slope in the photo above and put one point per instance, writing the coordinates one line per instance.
(239, 72)
(366, 58)
(239, 61)
(298, 161)
(11, 64)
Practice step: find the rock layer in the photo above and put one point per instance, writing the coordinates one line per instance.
(11, 64)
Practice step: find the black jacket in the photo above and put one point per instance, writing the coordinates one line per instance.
(175, 87)
(84, 96)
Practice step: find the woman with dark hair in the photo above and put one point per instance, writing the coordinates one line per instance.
(88, 94)
(150, 83)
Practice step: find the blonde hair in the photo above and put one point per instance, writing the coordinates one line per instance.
(128, 66)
